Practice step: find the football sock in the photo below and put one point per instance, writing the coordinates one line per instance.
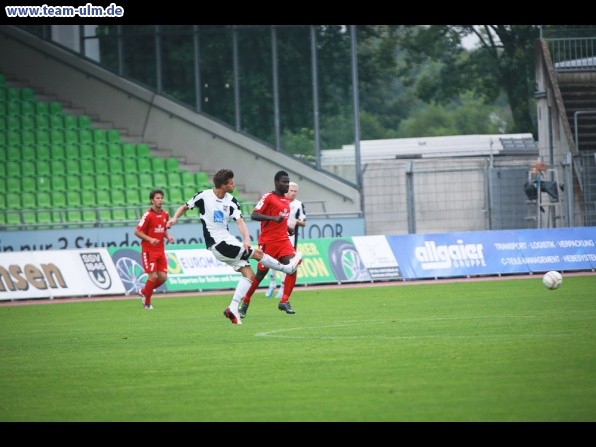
(149, 286)
(251, 290)
(243, 285)
(271, 263)
(288, 285)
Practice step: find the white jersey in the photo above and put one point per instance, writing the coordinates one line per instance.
(215, 214)
(296, 213)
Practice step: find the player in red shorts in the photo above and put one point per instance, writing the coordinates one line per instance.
(152, 230)
(272, 211)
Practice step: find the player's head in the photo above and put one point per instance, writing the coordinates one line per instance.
(223, 177)
(292, 190)
(282, 182)
(156, 197)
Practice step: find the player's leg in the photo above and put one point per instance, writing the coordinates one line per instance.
(149, 262)
(272, 283)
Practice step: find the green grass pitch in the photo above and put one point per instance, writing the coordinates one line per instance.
(504, 350)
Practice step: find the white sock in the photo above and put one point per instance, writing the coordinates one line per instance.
(274, 264)
(240, 292)
(272, 279)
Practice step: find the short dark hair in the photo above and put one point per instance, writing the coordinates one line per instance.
(222, 176)
(280, 174)
(155, 191)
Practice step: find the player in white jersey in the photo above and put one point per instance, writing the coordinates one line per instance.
(217, 207)
(297, 218)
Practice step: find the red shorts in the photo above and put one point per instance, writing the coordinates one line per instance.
(154, 261)
(277, 250)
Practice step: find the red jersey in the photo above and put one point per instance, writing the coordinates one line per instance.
(153, 224)
(271, 204)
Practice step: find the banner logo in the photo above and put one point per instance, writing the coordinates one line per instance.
(96, 269)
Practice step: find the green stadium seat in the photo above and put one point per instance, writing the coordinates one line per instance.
(56, 136)
(44, 152)
(3, 190)
(58, 199)
(13, 152)
(129, 164)
(71, 122)
(56, 122)
(3, 108)
(14, 199)
(29, 217)
(158, 165)
(115, 150)
(88, 166)
(84, 122)
(27, 122)
(27, 107)
(103, 198)
(13, 107)
(132, 196)
(12, 122)
(102, 181)
(71, 136)
(129, 150)
(85, 136)
(27, 167)
(113, 136)
(189, 192)
(57, 167)
(44, 184)
(131, 180)
(73, 199)
(118, 197)
(26, 94)
(87, 151)
(115, 165)
(117, 181)
(133, 214)
(29, 137)
(88, 198)
(119, 215)
(45, 137)
(73, 181)
(13, 168)
(42, 108)
(70, 151)
(13, 218)
(44, 199)
(28, 184)
(55, 108)
(28, 200)
(72, 167)
(101, 150)
(10, 138)
(175, 196)
(144, 165)
(12, 94)
(58, 152)
(44, 217)
(58, 183)
(99, 136)
(145, 181)
(174, 179)
(102, 166)
(142, 150)
(160, 180)
(73, 216)
(202, 178)
(172, 164)
(42, 168)
(104, 214)
(13, 184)
(90, 181)
(28, 153)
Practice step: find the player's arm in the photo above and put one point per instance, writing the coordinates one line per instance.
(260, 217)
(141, 235)
(177, 214)
(244, 232)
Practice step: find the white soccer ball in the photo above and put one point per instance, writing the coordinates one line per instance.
(552, 280)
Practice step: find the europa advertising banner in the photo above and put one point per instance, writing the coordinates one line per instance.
(53, 274)
(444, 255)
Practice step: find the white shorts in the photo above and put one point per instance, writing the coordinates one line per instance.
(230, 253)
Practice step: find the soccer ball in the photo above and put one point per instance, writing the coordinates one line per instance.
(552, 280)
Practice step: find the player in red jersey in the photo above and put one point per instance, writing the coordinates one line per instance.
(152, 230)
(272, 211)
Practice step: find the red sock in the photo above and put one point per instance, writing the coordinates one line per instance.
(253, 287)
(148, 290)
(289, 283)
